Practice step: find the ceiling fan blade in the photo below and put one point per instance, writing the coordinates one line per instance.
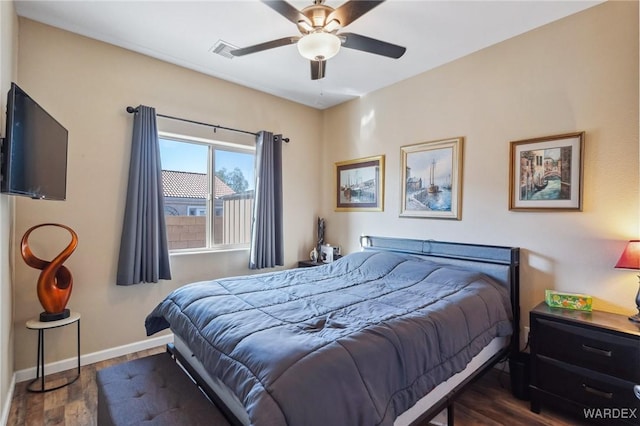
(286, 10)
(318, 69)
(264, 46)
(371, 45)
(352, 10)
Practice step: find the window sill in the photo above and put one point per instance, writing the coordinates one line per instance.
(184, 252)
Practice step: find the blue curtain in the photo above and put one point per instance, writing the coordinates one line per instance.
(144, 254)
(267, 245)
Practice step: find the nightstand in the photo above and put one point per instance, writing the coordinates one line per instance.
(310, 263)
(586, 363)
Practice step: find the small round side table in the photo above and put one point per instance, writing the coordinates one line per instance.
(42, 326)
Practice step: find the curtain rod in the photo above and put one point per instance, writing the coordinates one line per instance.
(132, 110)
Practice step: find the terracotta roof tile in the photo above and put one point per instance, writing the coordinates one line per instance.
(190, 185)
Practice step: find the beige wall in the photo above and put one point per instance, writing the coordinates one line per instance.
(86, 85)
(577, 74)
(580, 73)
(8, 71)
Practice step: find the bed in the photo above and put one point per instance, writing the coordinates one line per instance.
(386, 336)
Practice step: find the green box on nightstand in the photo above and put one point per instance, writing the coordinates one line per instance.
(557, 299)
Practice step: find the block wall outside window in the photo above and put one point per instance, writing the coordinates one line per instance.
(185, 232)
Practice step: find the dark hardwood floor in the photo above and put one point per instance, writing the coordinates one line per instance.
(73, 405)
(487, 402)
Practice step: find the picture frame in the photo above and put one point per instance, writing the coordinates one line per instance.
(360, 184)
(432, 179)
(545, 173)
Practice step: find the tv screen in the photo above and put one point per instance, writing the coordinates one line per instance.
(34, 152)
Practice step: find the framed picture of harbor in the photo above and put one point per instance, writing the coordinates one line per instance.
(545, 174)
(432, 179)
(360, 184)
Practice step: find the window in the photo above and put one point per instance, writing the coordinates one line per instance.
(208, 192)
(197, 210)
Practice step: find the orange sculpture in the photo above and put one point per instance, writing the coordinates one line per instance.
(55, 281)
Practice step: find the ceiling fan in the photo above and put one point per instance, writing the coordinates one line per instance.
(320, 40)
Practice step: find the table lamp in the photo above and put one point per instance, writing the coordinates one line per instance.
(630, 259)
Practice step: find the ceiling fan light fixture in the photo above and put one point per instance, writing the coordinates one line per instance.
(332, 26)
(305, 26)
(319, 45)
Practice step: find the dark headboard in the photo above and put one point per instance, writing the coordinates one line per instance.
(500, 263)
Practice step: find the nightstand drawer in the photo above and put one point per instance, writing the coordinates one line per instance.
(585, 347)
(585, 387)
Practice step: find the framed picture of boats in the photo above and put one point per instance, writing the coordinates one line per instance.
(545, 174)
(432, 179)
(360, 184)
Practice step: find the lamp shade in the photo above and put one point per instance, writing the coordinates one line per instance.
(319, 45)
(630, 258)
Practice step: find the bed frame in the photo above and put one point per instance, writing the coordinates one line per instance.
(501, 263)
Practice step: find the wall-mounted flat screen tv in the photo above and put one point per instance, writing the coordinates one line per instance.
(34, 151)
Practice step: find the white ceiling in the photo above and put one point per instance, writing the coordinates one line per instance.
(184, 33)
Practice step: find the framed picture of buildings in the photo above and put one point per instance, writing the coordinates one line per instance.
(360, 184)
(545, 173)
(432, 179)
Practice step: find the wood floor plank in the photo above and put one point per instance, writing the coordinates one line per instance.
(488, 402)
(54, 416)
(77, 413)
(34, 408)
(59, 398)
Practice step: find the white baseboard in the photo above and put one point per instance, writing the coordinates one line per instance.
(86, 359)
(7, 403)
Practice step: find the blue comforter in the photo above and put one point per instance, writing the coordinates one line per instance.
(354, 342)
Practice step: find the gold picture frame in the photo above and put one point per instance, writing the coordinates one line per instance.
(360, 184)
(545, 174)
(432, 179)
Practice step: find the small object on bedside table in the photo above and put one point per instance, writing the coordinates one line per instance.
(320, 231)
(327, 253)
(577, 301)
(313, 255)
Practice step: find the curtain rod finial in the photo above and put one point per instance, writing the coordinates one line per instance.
(131, 110)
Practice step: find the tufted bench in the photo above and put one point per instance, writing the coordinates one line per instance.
(152, 391)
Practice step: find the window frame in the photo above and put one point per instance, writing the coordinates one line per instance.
(212, 145)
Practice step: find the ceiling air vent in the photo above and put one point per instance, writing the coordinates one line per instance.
(223, 48)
